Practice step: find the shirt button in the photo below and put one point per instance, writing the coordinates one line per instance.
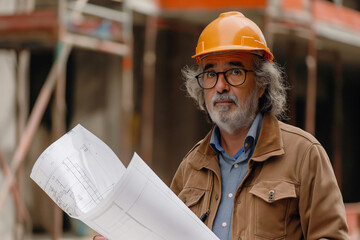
(230, 195)
(224, 224)
(236, 165)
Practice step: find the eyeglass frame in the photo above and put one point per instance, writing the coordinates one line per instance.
(217, 77)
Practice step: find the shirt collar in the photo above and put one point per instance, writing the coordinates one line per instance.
(250, 139)
(215, 140)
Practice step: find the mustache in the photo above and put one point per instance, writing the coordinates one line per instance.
(224, 97)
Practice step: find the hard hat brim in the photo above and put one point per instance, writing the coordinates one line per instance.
(265, 53)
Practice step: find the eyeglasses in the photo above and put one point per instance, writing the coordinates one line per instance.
(234, 77)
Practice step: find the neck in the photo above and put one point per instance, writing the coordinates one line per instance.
(233, 142)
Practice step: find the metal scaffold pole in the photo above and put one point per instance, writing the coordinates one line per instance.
(148, 99)
(127, 88)
(311, 63)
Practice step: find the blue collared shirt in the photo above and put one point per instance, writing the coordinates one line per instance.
(233, 170)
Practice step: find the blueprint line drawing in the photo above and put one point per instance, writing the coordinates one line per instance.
(84, 177)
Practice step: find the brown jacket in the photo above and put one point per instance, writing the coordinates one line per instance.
(289, 192)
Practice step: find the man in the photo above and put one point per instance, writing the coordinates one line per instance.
(252, 176)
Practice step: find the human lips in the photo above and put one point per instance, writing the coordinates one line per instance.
(223, 102)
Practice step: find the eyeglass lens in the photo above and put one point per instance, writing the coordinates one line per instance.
(234, 76)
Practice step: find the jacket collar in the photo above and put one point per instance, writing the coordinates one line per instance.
(205, 156)
(269, 144)
(270, 141)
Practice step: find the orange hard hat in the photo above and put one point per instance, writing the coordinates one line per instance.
(232, 31)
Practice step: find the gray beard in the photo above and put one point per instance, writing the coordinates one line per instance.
(240, 118)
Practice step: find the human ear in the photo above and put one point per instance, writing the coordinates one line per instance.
(261, 92)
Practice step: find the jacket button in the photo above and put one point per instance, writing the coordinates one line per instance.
(239, 238)
(271, 195)
(216, 197)
(239, 202)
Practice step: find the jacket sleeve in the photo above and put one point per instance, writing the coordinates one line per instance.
(177, 182)
(321, 206)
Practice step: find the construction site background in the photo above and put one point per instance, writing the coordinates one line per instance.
(115, 67)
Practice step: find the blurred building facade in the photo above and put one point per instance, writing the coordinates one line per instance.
(123, 82)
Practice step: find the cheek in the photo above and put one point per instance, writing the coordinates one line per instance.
(246, 90)
(208, 97)
(242, 94)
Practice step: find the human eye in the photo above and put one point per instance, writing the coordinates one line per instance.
(236, 71)
(210, 75)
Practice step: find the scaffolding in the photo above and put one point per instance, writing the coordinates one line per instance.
(302, 23)
(37, 28)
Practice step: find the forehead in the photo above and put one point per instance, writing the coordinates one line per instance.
(240, 59)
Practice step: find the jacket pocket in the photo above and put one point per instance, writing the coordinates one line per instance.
(193, 199)
(271, 203)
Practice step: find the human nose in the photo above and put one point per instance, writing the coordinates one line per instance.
(222, 85)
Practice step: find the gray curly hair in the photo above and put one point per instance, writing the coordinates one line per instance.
(267, 75)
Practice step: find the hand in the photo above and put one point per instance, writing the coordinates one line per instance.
(99, 237)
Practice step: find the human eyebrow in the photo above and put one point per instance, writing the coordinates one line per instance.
(207, 66)
(236, 64)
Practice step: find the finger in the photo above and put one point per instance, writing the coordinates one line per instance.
(99, 237)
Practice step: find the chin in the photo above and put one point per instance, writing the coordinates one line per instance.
(232, 122)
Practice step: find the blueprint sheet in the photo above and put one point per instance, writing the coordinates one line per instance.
(85, 179)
